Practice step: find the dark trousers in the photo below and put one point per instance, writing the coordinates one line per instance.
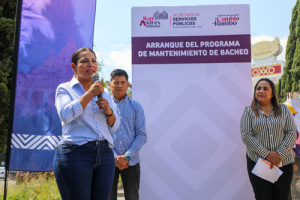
(265, 190)
(84, 172)
(131, 183)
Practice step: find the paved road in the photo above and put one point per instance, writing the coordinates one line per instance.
(9, 182)
(121, 194)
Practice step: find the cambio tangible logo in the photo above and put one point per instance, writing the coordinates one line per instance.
(154, 22)
(226, 20)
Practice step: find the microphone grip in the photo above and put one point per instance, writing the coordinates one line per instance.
(94, 81)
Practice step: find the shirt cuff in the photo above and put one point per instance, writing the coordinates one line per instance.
(115, 126)
(263, 152)
(284, 154)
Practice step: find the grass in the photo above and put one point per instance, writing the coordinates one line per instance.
(34, 186)
(31, 186)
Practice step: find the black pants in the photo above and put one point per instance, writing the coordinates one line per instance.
(265, 190)
(131, 183)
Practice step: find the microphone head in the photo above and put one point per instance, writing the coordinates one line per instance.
(95, 77)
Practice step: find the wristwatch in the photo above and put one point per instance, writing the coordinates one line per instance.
(127, 156)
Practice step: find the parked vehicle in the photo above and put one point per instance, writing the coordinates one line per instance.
(2, 172)
(12, 174)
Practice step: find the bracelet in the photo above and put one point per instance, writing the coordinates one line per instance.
(112, 112)
(127, 156)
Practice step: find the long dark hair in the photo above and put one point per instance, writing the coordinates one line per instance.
(274, 100)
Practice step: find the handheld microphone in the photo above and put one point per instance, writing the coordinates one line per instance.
(96, 78)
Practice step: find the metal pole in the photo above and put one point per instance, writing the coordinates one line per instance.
(13, 90)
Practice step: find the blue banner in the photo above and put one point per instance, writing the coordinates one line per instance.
(51, 30)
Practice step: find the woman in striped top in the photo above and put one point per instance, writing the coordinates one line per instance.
(269, 132)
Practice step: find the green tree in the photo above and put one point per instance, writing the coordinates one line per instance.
(290, 80)
(129, 90)
(7, 29)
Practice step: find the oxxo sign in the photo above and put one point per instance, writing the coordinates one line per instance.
(268, 70)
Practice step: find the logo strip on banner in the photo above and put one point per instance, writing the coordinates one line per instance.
(186, 20)
(37, 142)
(191, 49)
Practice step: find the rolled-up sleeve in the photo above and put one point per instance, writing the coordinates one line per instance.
(67, 109)
(290, 136)
(248, 136)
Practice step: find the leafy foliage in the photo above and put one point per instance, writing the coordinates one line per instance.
(290, 80)
(33, 185)
(7, 29)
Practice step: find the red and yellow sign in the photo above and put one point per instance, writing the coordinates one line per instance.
(268, 70)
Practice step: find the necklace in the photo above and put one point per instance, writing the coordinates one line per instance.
(264, 111)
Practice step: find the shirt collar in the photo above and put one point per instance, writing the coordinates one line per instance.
(123, 100)
(74, 82)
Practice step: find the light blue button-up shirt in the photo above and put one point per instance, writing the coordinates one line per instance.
(81, 126)
(131, 135)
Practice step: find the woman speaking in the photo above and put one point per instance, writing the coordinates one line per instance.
(269, 132)
(84, 163)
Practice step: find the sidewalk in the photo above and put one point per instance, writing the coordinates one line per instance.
(121, 194)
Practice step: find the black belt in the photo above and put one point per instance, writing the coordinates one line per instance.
(96, 143)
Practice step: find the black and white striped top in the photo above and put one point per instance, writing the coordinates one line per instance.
(264, 134)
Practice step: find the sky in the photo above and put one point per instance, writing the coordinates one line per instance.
(112, 35)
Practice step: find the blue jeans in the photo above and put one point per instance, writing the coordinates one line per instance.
(131, 182)
(84, 172)
(265, 190)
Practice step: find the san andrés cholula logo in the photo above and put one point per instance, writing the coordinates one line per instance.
(154, 22)
(226, 20)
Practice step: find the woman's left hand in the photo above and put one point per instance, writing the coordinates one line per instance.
(274, 159)
(104, 105)
(272, 165)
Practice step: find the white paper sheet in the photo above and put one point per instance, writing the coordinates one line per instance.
(262, 169)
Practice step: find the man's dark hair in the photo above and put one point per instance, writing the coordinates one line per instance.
(118, 72)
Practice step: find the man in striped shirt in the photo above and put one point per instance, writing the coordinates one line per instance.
(128, 139)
